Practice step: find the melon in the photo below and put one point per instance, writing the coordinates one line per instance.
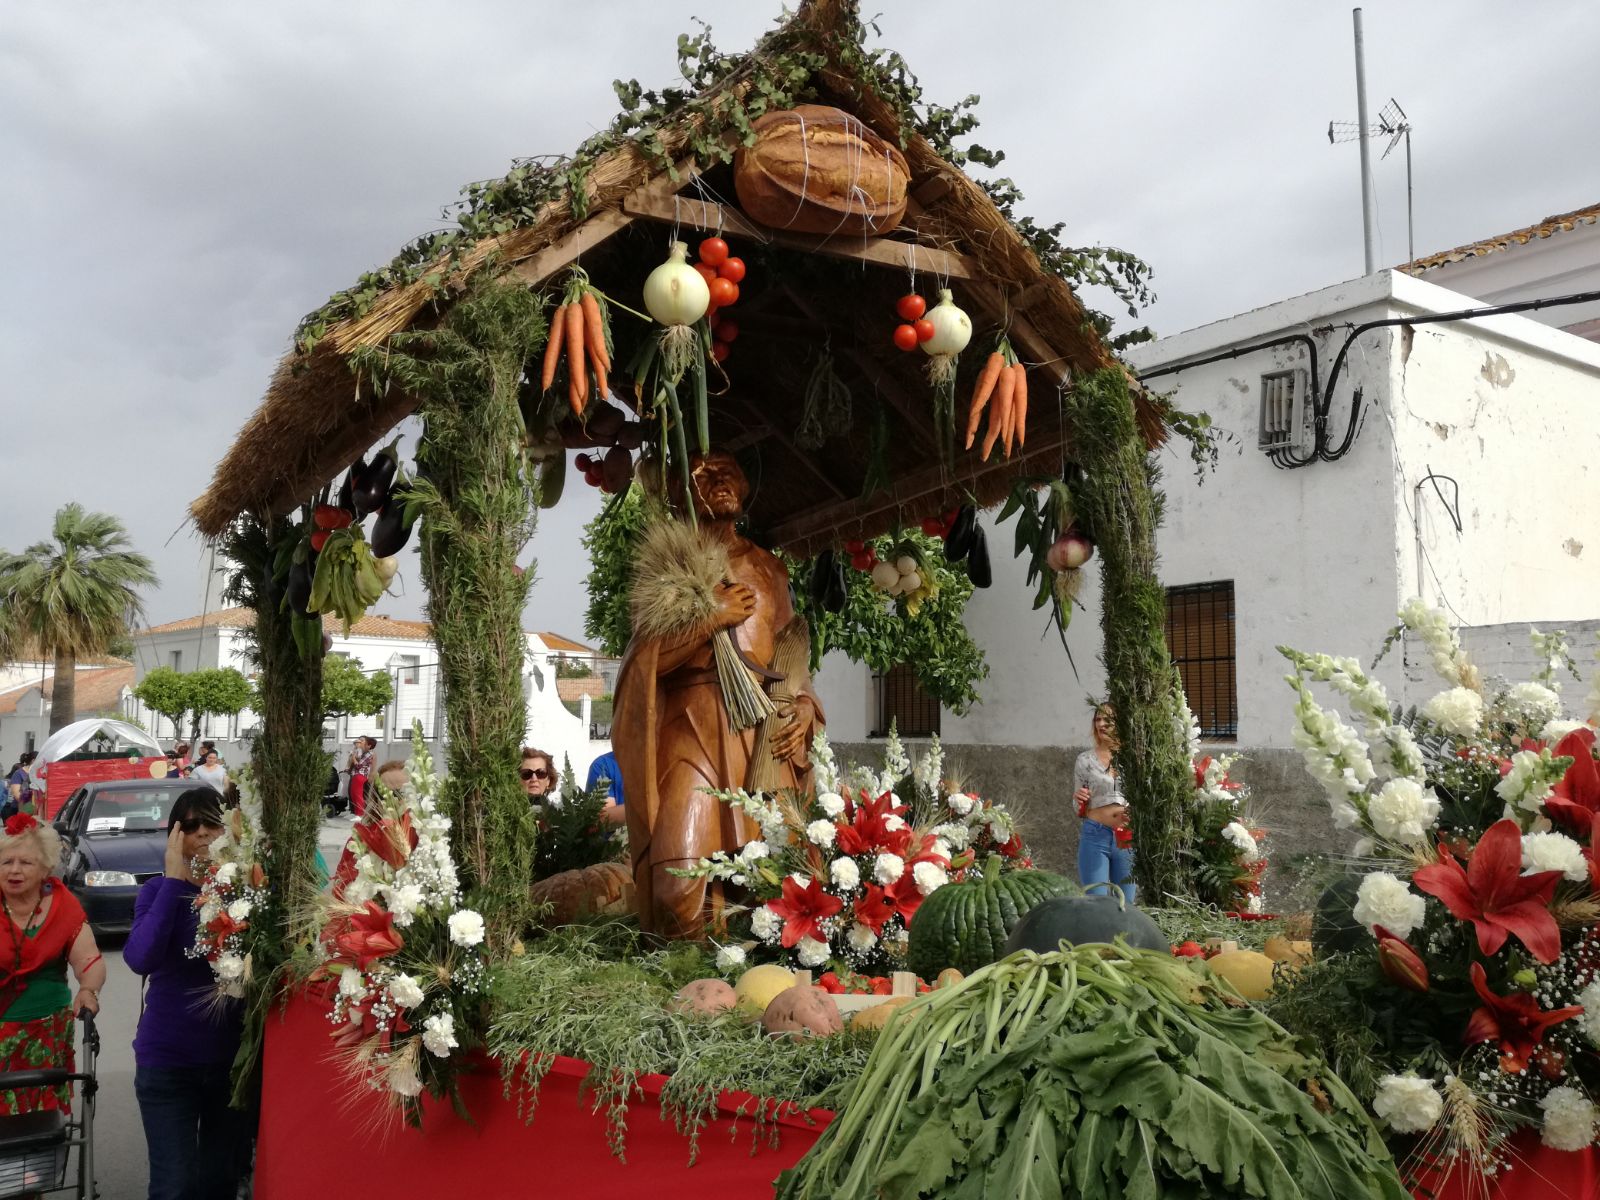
(759, 986)
(1249, 971)
(1084, 920)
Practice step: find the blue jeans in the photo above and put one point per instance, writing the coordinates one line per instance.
(1101, 860)
(198, 1146)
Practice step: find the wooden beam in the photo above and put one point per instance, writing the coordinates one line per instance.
(884, 252)
(1049, 360)
(784, 440)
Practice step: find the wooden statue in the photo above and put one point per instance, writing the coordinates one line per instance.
(672, 729)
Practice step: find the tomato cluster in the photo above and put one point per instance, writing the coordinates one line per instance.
(723, 274)
(861, 985)
(917, 328)
(939, 526)
(862, 556)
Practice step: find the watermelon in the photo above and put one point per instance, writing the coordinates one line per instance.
(965, 925)
(1081, 920)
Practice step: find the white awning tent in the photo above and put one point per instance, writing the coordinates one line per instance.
(126, 739)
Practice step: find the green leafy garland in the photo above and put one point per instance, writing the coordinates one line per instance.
(612, 539)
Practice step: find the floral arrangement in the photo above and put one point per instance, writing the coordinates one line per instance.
(404, 960)
(233, 894)
(836, 876)
(1479, 826)
(1226, 843)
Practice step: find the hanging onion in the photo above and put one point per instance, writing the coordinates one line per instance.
(1069, 552)
(677, 296)
(952, 330)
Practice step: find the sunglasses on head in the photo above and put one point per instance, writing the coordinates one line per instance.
(534, 773)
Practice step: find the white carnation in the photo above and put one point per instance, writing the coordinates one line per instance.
(1456, 710)
(1240, 837)
(766, 924)
(352, 983)
(1554, 731)
(1407, 1103)
(239, 910)
(1554, 852)
(1590, 999)
(961, 804)
(555, 800)
(229, 967)
(403, 902)
(1403, 811)
(888, 867)
(1534, 703)
(893, 824)
(754, 851)
(831, 803)
(402, 1079)
(845, 874)
(226, 873)
(1527, 784)
(1384, 900)
(209, 912)
(729, 957)
(929, 877)
(361, 889)
(821, 832)
(941, 848)
(439, 1035)
(811, 952)
(861, 938)
(405, 991)
(1569, 1119)
(466, 928)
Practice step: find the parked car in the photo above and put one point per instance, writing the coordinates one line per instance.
(114, 837)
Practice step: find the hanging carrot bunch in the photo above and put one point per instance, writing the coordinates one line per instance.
(579, 332)
(1002, 390)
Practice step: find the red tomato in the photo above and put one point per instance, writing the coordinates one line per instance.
(905, 337)
(854, 546)
(318, 538)
(719, 351)
(724, 292)
(925, 329)
(933, 526)
(733, 269)
(582, 462)
(713, 252)
(709, 274)
(726, 330)
(1189, 949)
(593, 475)
(882, 986)
(862, 560)
(910, 307)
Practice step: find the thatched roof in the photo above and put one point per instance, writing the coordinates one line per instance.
(317, 416)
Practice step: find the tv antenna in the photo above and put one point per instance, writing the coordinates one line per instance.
(1393, 124)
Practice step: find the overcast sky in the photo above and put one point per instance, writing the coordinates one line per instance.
(182, 181)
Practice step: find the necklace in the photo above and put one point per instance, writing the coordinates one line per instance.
(17, 938)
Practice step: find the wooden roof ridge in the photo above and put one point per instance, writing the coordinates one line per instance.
(316, 416)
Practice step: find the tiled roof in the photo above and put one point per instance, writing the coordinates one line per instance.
(554, 641)
(99, 690)
(1518, 237)
(371, 625)
(572, 689)
(29, 652)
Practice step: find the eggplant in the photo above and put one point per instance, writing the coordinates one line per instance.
(298, 588)
(838, 593)
(391, 531)
(371, 490)
(978, 560)
(821, 578)
(347, 490)
(631, 435)
(617, 470)
(604, 423)
(958, 542)
(552, 479)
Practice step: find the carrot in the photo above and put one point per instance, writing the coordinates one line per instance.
(595, 332)
(999, 411)
(577, 376)
(1019, 405)
(602, 384)
(552, 347)
(980, 393)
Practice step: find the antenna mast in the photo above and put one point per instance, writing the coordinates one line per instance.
(1366, 154)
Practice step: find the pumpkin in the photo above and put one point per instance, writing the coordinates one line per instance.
(802, 1012)
(759, 986)
(877, 1016)
(603, 890)
(1083, 920)
(816, 169)
(1249, 971)
(1281, 949)
(704, 997)
(965, 925)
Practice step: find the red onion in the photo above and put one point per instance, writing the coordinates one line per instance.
(1069, 552)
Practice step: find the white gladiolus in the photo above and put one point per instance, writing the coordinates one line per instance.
(831, 803)
(1554, 852)
(821, 832)
(1569, 1119)
(1457, 711)
(845, 874)
(439, 1035)
(405, 991)
(1384, 900)
(466, 928)
(1407, 1103)
(888, 867)
(1403, 811)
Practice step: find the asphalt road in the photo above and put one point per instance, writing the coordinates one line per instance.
(121, 1168)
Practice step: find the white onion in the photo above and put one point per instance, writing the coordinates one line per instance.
(952, 328)
(905, 564)
(675, 293)
(910, 582)
(884, 576)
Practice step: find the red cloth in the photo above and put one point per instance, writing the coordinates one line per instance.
(319, 1134)
(1539, 1174)
(358, 794)
(49, 943)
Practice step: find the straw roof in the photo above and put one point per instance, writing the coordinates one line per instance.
(801, 292)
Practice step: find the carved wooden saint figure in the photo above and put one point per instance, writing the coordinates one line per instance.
(671, 727)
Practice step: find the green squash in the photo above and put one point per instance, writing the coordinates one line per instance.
(1082, 921)
(965, 925)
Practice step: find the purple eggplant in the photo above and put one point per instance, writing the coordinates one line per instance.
(391, 531)
(372, 485)
(298, 587)
(346, 497)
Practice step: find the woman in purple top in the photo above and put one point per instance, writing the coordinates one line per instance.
(183, 1051)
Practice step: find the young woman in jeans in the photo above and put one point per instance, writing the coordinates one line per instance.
(1104, 854)
(183, 1050)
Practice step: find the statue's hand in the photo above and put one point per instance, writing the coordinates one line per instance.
(735, 605)
(792, 742)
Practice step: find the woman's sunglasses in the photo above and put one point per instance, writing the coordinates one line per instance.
(195, 824)
(534, 773)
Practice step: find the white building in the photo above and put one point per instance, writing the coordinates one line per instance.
(403, 650)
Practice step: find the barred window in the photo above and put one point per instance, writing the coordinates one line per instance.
(903, 703)
(1200, 635)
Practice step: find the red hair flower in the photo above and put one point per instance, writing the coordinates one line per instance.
(20, 823)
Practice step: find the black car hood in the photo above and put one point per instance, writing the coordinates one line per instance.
(141, 853)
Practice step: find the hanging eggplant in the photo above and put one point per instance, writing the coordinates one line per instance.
(347, 490)
(391, 531)
(552, 480)
(821, 574)
(978, 560)
(838, 592)
(371, 488)
(298, 587)
(958, 542)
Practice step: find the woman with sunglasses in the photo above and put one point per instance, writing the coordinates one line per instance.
(184, 1048)
(537, 775)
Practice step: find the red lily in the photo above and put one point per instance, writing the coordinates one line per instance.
(223, 926)
(369, 935)
(803, 909)
(1401, 964)
(391, 840)
(1592, 853)
(867, 832)
(1515, 1021)
(1011, 847)
(875, 907)
(905, 896)
(1577, 795)
(1200, 765)
(1495, 895)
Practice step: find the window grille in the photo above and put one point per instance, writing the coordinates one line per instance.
(903, 703)
(1200, 636)
(1285, 410)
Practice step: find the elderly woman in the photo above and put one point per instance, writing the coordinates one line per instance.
(1105, 853)
(187, 1038)
(46, 933)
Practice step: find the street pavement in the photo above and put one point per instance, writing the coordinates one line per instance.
(120, 1163)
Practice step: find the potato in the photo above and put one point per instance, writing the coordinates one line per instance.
(802, 1012)
(876, 1017)
(948, 977)
(704, 997)
(757, 987)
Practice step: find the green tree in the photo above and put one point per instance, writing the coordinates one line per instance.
(219, 692)
(168, 692)
(612, 539)
(72, 596)
(348, 691)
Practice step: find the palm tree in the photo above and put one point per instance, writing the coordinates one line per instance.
(71, 596)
